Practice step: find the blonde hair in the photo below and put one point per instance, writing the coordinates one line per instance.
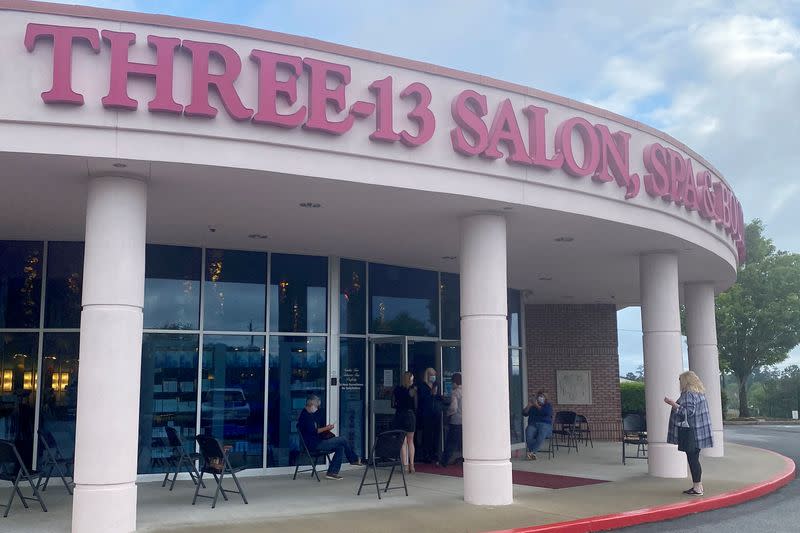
(690, 382)
(407, 377)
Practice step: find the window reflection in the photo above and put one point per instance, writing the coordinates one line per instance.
(232, 408)
(352, 296)
(297, 368)
(168, 397)
(172, 287)
(515, 395)
(299, 293)
(352, 393)
(235, 291)
(404, 301)
(451, 306)
(64, 283)
(514, 318)
(59, 390)
(18, 353)
(20, 284)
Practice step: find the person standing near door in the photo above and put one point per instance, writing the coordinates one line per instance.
(453, 440)
(405, 418)
(429, 417)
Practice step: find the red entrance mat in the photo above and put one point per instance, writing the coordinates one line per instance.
(519, 477)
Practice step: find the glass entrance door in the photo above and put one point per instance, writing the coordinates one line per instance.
(387, 361)
(450, 353)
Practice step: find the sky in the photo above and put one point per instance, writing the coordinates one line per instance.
(722, 76)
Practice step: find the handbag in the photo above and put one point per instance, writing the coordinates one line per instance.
(686, 439)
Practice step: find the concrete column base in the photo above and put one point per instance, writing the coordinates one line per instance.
(488, 482)
(104, 508)
(664, 460)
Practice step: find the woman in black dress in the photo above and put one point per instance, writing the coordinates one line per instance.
(405, 400)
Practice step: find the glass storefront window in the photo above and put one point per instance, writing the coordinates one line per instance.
(232, 395)
(451, 363)
(403, 301)
(352, 392)
(514, 318)
(298, 294)
(59, 391)
(168, 397)
(18, 354)
(352, 297)
(172, 287)
(297, 369)
(20, 283)
(515, 395)
(64, 283)
(235, 291)
(451, 306)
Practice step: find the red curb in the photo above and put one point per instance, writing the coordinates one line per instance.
(667, 512)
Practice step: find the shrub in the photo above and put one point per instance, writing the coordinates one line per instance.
(632, 395)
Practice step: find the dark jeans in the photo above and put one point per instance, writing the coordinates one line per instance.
(536, 434)
(694, 465)
(452, 442)
(429, 433)
(339, 446)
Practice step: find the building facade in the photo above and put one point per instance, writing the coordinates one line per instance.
(203, 224)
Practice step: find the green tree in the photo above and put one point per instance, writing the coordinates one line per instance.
(758, 318)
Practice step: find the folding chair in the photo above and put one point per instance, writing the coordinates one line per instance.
(13, 469)
(634, 431)
(564, 430)
(582, 430)
(53, 460)
(217, 463)
(385, 453)
(179, 459)
(313, 457)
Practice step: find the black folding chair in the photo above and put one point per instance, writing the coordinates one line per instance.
(180, 458)
(582, 430)
(12, 469)
(53, 461)
(564, 431)
(634, 432)
(313, 458)
(217, 463)
(386, 452)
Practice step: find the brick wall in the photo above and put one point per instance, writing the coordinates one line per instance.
(576, 337)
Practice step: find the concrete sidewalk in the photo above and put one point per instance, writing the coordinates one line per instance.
(435, 503)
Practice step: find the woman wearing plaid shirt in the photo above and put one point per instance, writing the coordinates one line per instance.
(691, 411)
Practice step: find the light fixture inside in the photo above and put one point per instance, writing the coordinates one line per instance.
(119, 165)
(564, 239)
(449, 257)
(507, 208)
(257, 236)
(545, 278)
(311, 205)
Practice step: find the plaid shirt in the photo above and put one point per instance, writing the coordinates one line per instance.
(694, 407)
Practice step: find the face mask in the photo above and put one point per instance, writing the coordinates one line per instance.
(433, 379)
(541, 399)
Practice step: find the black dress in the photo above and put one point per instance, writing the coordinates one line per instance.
(404, 417)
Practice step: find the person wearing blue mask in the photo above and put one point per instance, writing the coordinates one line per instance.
(540, 422)
(429, 417)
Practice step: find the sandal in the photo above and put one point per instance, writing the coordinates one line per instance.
(692, 492)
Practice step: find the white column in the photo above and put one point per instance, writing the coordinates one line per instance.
(663, 363)
(107, 433)
(484, 361)
(701, 333)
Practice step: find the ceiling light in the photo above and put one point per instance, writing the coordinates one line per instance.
(449, 257)
(545, 278)
(257, 236)
(564, 239)
(507, 208)
(119, 165)
(311, 205)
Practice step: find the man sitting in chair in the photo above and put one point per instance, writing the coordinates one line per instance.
(320, 438)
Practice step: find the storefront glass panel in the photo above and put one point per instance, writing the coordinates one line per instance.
(451, 306)
(235, 291)
(298, 294)
(352, 392)
(297, 369)
(59, 390)
(352, 297)
(18, 354)
(514, 318)
(168, 396)
(232, 396)
(64, 282)
(172, 287)
(403, 301)
(515, 394)
(20, 283)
